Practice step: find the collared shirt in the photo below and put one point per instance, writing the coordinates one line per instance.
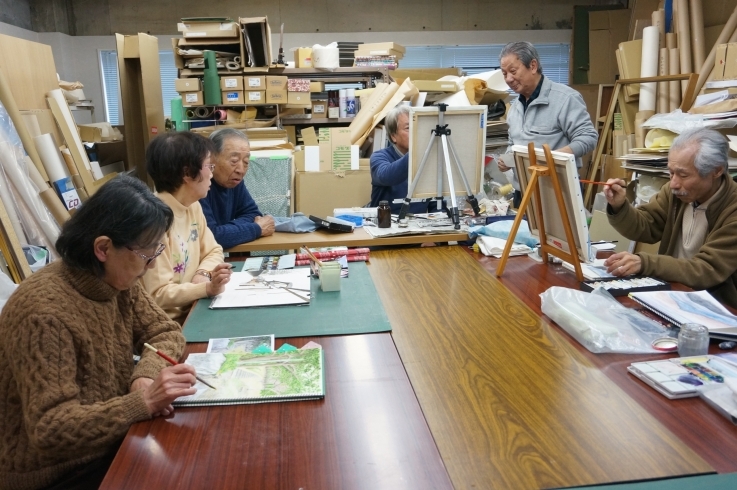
(694, 227)
(526, 102)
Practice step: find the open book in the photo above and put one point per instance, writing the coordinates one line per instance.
(241, 378)
(679, 307)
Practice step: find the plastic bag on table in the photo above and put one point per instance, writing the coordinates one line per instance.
(600, 323)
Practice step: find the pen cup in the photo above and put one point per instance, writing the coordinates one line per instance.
(693, 340)
(330, 276)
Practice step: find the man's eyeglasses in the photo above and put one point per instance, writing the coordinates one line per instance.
(149, 258)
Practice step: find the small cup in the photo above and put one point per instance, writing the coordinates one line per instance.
(693, 340)
(330, 276)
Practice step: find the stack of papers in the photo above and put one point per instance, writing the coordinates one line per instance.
(272, 288)
(494, 247)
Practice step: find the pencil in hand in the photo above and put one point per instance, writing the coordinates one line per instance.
(174, 363)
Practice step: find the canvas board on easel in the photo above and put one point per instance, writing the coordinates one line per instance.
(468, 133)
(565, 165)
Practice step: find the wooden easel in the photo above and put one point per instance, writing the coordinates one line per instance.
(538, 172)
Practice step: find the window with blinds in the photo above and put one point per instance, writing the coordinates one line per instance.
(480, 58)
(111, 94)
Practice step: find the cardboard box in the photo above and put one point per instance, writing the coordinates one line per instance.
(259, 33)
(255, 97)
(317, 87)
(383, 46)
(720, 61)
(433, 86)
(378, 52)
(205, 29)
(318, 193)
(254, 82)
(187, 85)
(233, 97)
(340, 148)
(730, 64)
(191, 99)
(320, 108)
(605, 20)
(276, 82)
(607, 29)
(298, 85)
(299, 99)
(303, 58)
(333, 112)
(231, 83)
(276, 96)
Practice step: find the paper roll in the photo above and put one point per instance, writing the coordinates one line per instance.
(190, 114)
(232, 66)
(31, 122)
(325, 57)
(203, 112)
(658, 20)
(696, 7)
(649, 67)
(69, 161)
(728, 33)
(674, 88)
(684, 40)
(671, 40)
(220, 115)
(53, 204)
(6, 196)
(38, 181)
(50, 157)
(663, 87)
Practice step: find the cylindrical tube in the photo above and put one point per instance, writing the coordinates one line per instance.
(177, 115)
(658, 20)
(696, 8)
(684, 40)
(728, 32)
(663, 87)
(649, 67)
(6, 196)
(220, 115)
(342, 102)
(54, 205)
(211, 80)
(671, 40)
(190, 114)
(674, 88)
(50, 157)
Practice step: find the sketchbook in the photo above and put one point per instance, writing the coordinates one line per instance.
(242, 378)
(679, 307)
(270, 288)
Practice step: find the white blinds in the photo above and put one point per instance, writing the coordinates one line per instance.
(109, 68)
(479, 58)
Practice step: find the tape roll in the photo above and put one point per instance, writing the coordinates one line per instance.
(237, 59)
(232, 66)
(203, 112)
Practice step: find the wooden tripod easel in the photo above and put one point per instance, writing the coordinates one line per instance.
(538, 172)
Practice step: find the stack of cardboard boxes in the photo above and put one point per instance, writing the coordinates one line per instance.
(191, 91)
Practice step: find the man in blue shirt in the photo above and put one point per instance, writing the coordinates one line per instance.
(232, 214)
(390, 166)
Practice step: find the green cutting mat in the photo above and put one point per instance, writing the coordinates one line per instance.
(725, 481)
(356, 308)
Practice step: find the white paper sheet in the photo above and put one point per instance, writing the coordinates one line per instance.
(245, 291)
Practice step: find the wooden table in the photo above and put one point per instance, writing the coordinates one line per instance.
(368, 433)
(324, 238)
(512, 402)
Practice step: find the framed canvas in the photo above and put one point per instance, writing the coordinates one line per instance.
(468, 134)
(565, 166)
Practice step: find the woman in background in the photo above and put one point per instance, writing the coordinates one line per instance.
(191, 266)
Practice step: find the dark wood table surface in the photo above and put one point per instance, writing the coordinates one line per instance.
(511, 401)
(368, 433)
(709, 434)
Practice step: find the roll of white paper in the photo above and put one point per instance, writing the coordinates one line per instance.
(649, 67)
(7, 198)
(50, 157)
(325, 56)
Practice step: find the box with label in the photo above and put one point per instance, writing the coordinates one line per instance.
(303, 58)
(298, 85)
(341, 152)
(231, 83)
(254, 82)
(253, 97)
(187, 85)
(433, 86)
(276, 96)
(233, 97)
(299, 99)
(205, 29)
(276, 82)
(333, 112)
(317, 87)
(318, 193)
(190, 99)
(320, 108)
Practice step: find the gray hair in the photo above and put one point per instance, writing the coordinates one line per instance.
(392, 119)
(524, 51)
(219, 136)
(711, 149)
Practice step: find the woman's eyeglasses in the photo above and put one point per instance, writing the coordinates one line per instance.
(149, 258)
(211, 166)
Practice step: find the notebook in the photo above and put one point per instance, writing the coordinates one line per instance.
(679, 307)
(242, 378)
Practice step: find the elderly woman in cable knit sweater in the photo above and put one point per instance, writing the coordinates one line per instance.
(69, 389)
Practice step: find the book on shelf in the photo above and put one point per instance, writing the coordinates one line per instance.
(679, 307)
(242, 378)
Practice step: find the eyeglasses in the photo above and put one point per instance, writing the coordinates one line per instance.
(147, 258)
(211, 166)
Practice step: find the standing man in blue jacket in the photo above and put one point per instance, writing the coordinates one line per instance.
(390, 166)
(545, 111)
(232, 214)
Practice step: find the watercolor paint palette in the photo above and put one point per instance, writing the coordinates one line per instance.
(683, 376)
